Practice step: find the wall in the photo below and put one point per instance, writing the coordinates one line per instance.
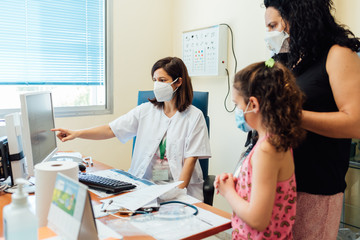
(140, 37)
(348, 13)
(246, 18)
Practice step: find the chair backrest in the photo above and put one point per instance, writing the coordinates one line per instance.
(200, 100)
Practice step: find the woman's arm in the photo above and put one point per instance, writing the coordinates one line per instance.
(95, 133)
(257, 212)
(186, 172)
(343, 68)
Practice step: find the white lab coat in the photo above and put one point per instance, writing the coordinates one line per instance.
(187, 136)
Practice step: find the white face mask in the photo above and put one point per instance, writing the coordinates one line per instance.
(163, 91)
(276, 41)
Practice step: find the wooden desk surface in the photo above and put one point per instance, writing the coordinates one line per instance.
(5, 199)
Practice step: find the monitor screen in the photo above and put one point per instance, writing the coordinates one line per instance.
(37, 121)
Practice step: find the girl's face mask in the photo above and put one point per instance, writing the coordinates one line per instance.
(164, 91)
(240, 119)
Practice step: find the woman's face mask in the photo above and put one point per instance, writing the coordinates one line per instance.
(277, 41)
(164, 91)
(240, 119)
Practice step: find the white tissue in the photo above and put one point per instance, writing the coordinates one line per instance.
(45, 176)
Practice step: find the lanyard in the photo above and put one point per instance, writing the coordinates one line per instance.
(162, 148)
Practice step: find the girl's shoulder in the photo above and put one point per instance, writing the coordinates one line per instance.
(266, 152)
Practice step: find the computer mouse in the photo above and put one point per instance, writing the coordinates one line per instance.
(82, 167)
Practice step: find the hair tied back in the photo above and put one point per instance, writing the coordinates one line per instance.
(270, 63)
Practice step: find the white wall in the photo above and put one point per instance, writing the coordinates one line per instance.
(348, 13)
(246, 18)
(142, 34)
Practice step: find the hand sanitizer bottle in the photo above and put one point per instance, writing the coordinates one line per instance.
(19, 221)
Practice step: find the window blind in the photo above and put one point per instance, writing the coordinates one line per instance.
(52, 42)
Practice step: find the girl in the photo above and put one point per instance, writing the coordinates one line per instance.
(263, 195)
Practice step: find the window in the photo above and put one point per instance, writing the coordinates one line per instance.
(58, 46)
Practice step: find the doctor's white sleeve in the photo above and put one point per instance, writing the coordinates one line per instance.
(125, 127)
(197, 142)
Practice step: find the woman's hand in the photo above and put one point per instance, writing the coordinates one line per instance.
(65, 134)
(95, 133)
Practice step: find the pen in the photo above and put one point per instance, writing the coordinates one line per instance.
(104, 209)
(125, 211)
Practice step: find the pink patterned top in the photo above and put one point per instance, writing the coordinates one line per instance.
(284, 210)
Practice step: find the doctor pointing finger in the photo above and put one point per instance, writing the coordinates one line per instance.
(171, 134)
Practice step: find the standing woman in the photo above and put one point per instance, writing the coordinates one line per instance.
(171, 134)
(303, 34)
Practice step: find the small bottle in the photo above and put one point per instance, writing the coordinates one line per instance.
(19, 221)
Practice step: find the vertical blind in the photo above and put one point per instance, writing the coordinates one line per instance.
(52, 42)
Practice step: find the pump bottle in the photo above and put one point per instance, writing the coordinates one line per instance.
(19, 221)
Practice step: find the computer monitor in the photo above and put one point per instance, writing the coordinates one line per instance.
(37, 117)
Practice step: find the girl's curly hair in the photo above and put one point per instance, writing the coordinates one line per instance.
(313, 29)
(280, 101)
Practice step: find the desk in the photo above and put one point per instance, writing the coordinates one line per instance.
(6, 199)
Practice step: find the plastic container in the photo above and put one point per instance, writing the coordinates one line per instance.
(19, 221)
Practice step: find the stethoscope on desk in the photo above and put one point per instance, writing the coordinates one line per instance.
(148, 210)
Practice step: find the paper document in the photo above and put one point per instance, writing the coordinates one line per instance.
(169, 230)
(105, 232)
(139, 198)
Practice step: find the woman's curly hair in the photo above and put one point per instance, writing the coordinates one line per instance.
(280, 101)
(313, 29)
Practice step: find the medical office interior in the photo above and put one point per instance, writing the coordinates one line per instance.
(143, 31)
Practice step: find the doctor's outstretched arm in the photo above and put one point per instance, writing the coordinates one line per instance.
(95, 133)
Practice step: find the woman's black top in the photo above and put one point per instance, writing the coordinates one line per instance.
(321, 162)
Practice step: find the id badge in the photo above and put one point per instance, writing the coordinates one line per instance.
(160, 175)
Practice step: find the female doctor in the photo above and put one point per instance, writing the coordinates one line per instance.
(171, 134)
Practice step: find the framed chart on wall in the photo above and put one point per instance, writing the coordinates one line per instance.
(204, 51)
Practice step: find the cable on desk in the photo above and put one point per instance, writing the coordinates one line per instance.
(183, 203)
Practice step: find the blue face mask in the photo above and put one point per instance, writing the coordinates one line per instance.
(240, 119)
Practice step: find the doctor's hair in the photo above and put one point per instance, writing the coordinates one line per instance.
(280, 101)
(175, 68)
(313, 30)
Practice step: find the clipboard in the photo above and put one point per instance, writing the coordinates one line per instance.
(71, 215)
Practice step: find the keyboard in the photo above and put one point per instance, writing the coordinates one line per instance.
(107, 185)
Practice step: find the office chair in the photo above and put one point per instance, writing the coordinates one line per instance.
(200, 100)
